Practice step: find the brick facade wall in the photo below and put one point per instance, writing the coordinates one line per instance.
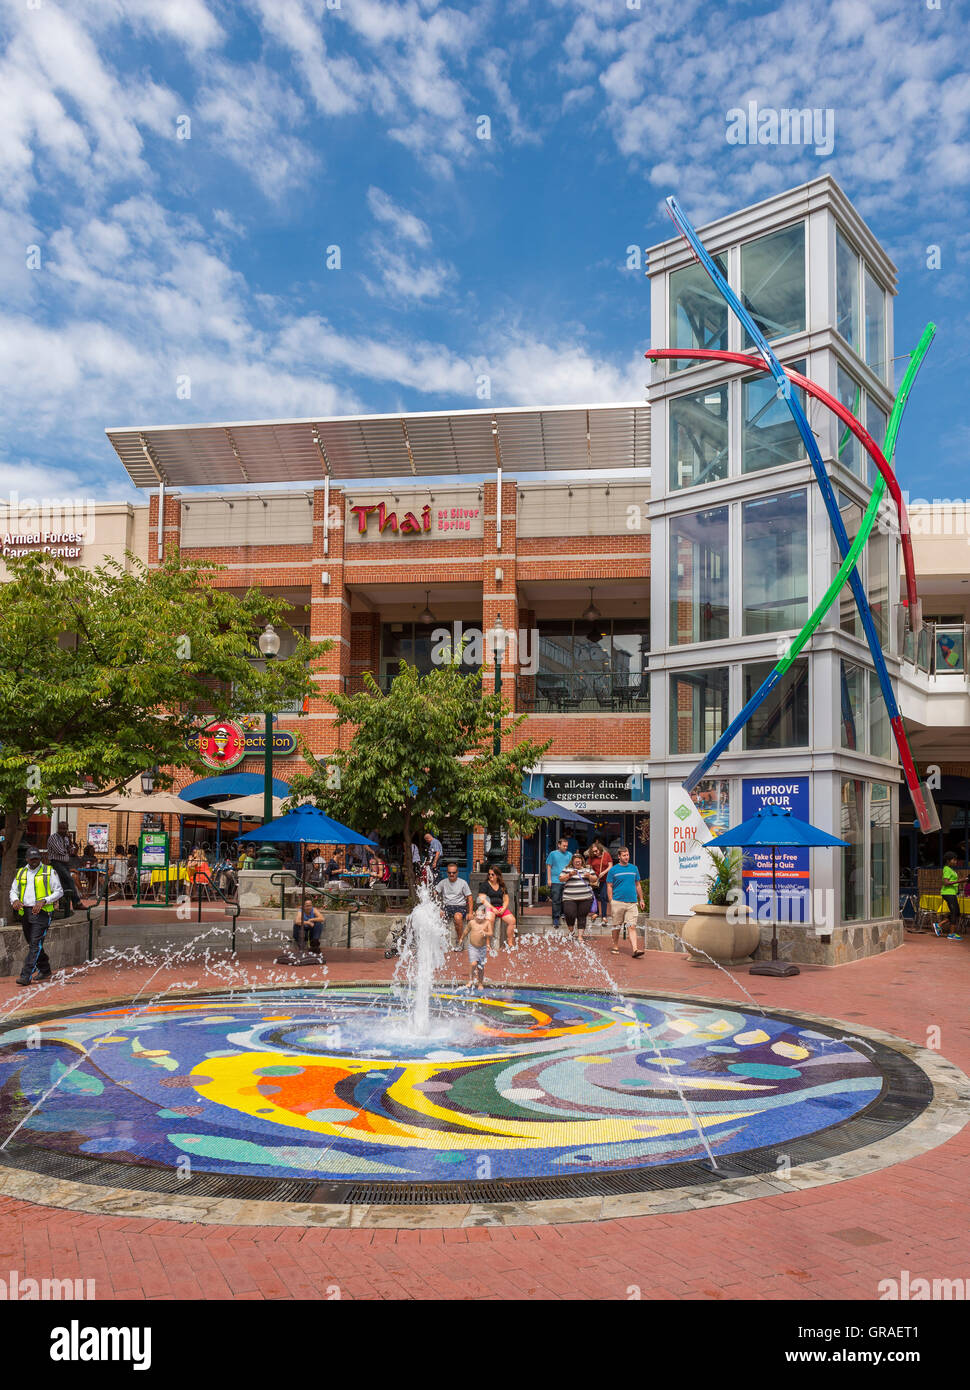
(427, 561)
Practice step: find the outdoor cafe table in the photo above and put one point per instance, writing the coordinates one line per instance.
(173, 873)
(933, 902)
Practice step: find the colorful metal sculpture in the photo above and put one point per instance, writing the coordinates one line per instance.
(785, 379)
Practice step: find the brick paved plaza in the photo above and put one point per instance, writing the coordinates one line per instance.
(833, 1241)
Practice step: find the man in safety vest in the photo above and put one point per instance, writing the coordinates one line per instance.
(34, 892)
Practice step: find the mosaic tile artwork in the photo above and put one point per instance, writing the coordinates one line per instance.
(327, 1084)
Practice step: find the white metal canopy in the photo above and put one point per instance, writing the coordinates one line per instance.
(521, 440)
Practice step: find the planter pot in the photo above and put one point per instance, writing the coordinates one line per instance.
(708, 933)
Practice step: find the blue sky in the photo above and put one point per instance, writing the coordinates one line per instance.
(356, 124)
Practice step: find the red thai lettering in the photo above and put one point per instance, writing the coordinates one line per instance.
(362, 513)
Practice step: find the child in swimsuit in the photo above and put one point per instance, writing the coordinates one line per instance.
(478, 931)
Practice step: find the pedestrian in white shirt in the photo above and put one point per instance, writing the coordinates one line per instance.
(33, 893)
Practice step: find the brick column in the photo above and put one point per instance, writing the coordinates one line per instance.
(329, 619)
(171, 526)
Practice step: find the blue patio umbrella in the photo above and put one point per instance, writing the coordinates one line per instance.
(307, 825)
(775, 826)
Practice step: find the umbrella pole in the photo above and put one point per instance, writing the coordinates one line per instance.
(774, 909)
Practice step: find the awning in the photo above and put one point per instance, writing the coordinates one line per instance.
(238, 784)
(420, 444)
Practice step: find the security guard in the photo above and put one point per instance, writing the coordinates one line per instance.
(34, 892)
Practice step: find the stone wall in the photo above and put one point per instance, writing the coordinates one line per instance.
(854, 941)
(66, 944)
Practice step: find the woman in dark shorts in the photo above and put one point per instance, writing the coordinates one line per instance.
(497, 897)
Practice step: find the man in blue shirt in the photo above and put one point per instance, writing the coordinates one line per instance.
(557, 861)
(626, 899)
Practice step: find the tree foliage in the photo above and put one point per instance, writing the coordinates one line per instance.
(421, 756)
(106, 672)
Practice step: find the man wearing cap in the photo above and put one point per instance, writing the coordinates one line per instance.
(34, 892)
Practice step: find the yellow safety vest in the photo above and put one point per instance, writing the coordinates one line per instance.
(44, 872)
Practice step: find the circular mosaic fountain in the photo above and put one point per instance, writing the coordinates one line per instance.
(323, 1096)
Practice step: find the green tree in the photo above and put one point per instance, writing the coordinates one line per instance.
(106, 672)
(421, 756)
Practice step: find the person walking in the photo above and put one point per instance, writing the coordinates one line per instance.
(626, 899)
(578, 882)
(59, 859)
(951, 897)
(33, 893)
(557, 860)
(433, 853)
(601, 861)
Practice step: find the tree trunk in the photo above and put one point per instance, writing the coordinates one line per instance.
(13, 833)
(409, 862)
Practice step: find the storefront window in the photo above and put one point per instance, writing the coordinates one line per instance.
(850, 620)
(698, 314)
(847, 291)
(880, 849)
(769, 435)
(853, 687)
(699, 438)
(589, 666)
(698, 709)
(848, 449)
(781, 720)
(415, 643)
(875, 326)
(773, 282)
(852, 829)
(699, 576)
(880, 733)
(774, 564)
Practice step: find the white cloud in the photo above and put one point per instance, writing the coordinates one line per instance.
(406, 224)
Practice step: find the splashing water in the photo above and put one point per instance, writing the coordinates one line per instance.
(422, 956)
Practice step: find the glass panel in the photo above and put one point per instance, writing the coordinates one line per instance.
(774, 546)
(769, 435)
(847, 291)
(851, 827)
(880, 852)
(875, 325)
(698, 314)
(875, 422)
(698, 709)
(631, 647)
(781, 720)
(880, 734)
(878, 583)
(853, 691)
(699, 438)
(773, 282)
(849, 619)
(848, 450)
(555, 647)
(699, 576)
(949, 654)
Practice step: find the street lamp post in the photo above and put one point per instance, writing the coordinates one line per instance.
(495, 854)
(266, 856)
